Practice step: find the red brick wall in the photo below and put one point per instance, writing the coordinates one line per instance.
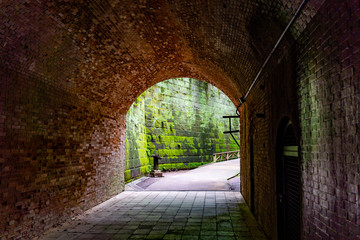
(64, 94)
(69, 72)
(329, 102)
(58, 156)
(318, 88)
(60, 153)
(274, 96)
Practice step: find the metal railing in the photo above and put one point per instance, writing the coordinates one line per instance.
(224, 156)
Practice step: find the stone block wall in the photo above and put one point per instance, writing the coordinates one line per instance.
(181, 121)
(136, 159)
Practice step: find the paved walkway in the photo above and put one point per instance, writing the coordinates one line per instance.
(164, 215)
(203, 209)
(210, 177)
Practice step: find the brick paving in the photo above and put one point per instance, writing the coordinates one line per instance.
(164, 215)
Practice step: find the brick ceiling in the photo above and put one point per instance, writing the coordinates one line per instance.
(110, 51)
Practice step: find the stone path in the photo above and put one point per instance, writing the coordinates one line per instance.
(234, 183)
(210, 177)
(164, 215)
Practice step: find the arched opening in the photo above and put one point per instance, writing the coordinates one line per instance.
(180, 121)
(288, 182)
(70, 70)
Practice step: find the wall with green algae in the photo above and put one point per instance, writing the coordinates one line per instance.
(181, 121)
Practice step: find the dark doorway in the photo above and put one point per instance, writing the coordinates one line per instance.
(252, 183)
(288, 183)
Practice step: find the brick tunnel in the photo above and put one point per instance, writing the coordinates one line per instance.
(70, 70)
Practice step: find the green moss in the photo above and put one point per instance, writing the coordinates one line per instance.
(144, 161)
(127, 175)
(171, 166)
(144, 170)
(180, 166)
(179, 120)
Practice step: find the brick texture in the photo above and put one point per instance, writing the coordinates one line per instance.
(328, 77)
(322, 63)
(276, 98)
(60, 153)
(70, 71)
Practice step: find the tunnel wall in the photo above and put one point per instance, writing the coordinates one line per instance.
(59, 142)
(58, 156)
(60, 153)
(181, 121)
(329, 89)
(270, 101)
(314, 81)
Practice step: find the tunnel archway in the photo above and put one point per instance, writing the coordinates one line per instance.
(288, 182)
(181, 121)
(71, 69)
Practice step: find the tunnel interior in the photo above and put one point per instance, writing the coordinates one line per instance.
(70, 70)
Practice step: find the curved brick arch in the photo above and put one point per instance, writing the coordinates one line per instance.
(212, 77)
(69, 71)
(107, 50)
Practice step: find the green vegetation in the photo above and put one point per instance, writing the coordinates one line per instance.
(179, 120)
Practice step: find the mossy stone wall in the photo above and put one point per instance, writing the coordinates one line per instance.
(179, 120)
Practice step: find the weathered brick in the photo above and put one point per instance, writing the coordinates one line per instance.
(70, 70)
